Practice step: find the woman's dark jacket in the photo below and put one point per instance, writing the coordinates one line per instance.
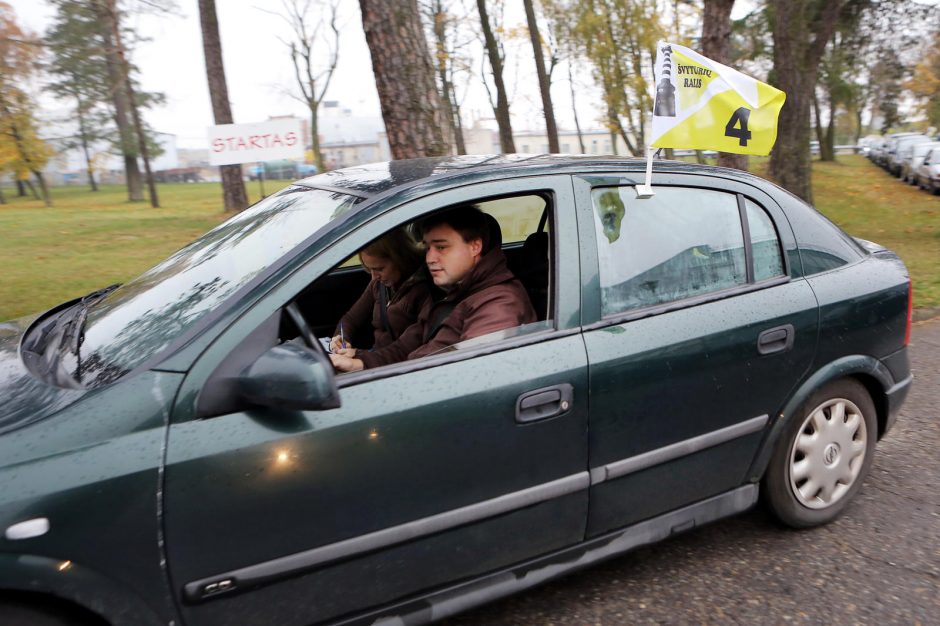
(402, 311)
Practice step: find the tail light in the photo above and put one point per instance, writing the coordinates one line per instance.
(910, 312)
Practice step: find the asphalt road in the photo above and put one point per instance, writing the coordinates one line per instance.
(877, 564)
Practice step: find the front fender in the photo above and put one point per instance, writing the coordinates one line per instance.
(78, 584)
(852, 365)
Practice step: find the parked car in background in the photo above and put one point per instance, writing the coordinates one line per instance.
(867, 144)
(179, 450)
(888, 146)
(927, 174)
(913, 160)
(281, 170)
(898, 150)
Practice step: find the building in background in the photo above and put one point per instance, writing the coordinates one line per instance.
(345, 140)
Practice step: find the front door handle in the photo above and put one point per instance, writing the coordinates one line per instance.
(541, 404)
(779, 339)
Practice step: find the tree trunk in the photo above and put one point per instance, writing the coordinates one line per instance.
(506, 143)
(817, 121)
(824, 137)
(858, 127)
(801, 29)
(574, 109)
(827, 149)
(458, 124)
(125, 77)
(20, 189)
(451, 110)
(404, 77)
(83, 135)
(234, 195)
(32, 189)
(43, 188)
(135, 191)
(613, 122)
(3, 198)
(716, 45)
(23, 154)
(314, 107)
(545, 85)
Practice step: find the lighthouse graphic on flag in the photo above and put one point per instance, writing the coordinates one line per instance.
(665, 105)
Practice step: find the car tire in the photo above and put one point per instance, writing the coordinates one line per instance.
(822, 457)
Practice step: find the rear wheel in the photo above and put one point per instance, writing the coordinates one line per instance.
(823, 456)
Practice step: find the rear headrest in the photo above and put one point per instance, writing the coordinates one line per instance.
(495, 235)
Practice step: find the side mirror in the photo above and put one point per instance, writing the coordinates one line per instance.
(290, 376)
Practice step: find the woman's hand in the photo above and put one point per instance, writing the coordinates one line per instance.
(337, 346)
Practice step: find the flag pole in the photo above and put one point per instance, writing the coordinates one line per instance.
(646, 190)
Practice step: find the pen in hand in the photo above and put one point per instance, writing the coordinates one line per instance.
(342, 337)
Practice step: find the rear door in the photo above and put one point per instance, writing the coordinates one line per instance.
(431, 471)
(695, 334)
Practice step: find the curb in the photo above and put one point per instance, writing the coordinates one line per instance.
(922, 315)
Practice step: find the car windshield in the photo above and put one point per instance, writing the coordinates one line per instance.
(145, 315)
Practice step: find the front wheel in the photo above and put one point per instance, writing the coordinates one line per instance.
(823, 456)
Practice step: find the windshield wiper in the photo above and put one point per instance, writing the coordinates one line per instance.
(73, 331)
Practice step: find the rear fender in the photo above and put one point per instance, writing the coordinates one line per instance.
(871, 372)
(76, 584)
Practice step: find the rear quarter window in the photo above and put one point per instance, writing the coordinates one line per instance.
(823, 245)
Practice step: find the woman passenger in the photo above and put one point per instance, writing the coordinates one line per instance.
(399, 287)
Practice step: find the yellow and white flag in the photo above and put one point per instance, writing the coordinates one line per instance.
(704, 105)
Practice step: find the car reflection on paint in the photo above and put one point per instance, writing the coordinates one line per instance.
(178, 449)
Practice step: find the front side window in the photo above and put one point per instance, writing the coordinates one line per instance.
(402, 311)
(679, 244)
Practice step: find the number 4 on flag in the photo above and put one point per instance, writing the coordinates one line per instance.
(742, 134)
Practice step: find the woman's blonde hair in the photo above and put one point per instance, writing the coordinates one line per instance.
(400, 248)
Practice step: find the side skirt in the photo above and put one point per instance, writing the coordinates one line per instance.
(457, 598)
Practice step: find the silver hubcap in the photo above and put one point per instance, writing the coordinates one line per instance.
(828, 453)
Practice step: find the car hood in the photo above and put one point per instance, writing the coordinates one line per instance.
(25, 399)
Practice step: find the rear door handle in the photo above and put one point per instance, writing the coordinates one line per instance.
(541, 404)
(779, 339)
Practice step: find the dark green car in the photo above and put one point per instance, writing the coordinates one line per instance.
(179, 450)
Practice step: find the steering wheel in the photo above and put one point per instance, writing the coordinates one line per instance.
(305, 332)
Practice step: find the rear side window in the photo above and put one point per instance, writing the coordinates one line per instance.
(680, 243)
(768, 261)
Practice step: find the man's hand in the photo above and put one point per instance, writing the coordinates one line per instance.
(345, 363)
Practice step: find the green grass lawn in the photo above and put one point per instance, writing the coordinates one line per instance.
(89, 240)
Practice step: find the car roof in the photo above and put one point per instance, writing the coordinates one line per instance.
(375, 179)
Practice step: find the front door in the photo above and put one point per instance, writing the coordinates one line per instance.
(424, 476)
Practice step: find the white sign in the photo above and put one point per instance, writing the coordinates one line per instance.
(252, 143)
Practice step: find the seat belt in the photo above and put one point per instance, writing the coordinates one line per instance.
(442, 313)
